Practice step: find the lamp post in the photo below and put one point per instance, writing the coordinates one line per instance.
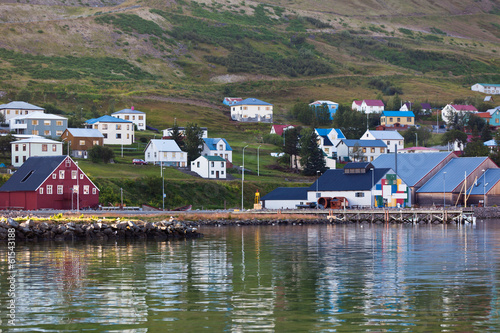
(243, 176)
(444, 189)
(317, 183)
(162, 187)
(484, 188)
(416, 139)
(77, 189)
(371, 190)
(258, 161)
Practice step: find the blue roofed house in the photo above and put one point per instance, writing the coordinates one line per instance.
(414, 169)
(449, 183)
(361, 184)
(486, 190)
(360, 150)
(252, 110)
(332, 106)
(135, 116)
(392, 139)
(328, 138)
(231, 100)
(17, 108)
(393, 118)
(114, 130)
(217, 147)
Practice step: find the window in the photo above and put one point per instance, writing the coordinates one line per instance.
(399, 120)
(212, 173)
(127, 117)
(61, 174)
(97, 126)
(390, 119)
(82, 142)
(17, 147)
(212, 164)
(141, 117)
(105, 135)
(54, 176)
(94, 190)
(104, 126)
(371, 158)
(34, 132)
(118, 127)
(128, 127)
(372, 150)
(496, 121)
(16, 159)
(198, 164)
(34, 122)
(128, 136)
(44, 147)
(95, 142)
(364, 150)
(49, 189)
(118, 135)
(75, 188)
(24, 147)
(54, 147)
(221, 147)
(359, 194)
(388, 142)
(59, 133)
(382, 150)
(86, 189)
(41, 190)
(59, 189)
(81, 176)
(68, 163)
(73, 174)
(222, 172)
(408, 119)
(173, 154)
(222, 164)
(46, 133)
(59, 123)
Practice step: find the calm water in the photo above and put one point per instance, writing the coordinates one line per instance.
(346, 278)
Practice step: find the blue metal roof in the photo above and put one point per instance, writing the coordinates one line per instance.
(337, 180)
(411, 167)
(456, 169)
(128, 111)
(85, 133)
(287, 193)
(491, 176)
(358, 165)
(212, 143)
(398, 114)
(340, 135)
(323, 131)
(326, 141)
(20, 106)
(364, 143)
(251, 101)
(107, 119)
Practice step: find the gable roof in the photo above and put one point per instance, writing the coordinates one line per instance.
(425, 106)
(20, 106)
(386, 135)
(491, 143)
(233, 99)
(459, 107)
(485, 115)
(107, 119)
(489, 84)
(37, 139)
(40, 115)
(128, 111)
(85, 132)
(214, 158)
(373, 102)
(40, 168)
(287, 193)
(456, 169)
(412, 167)
(358, 102)
(490, 176)
(279, 129)
(317, 103)
(251, 101)
(358, 165)
(326, 131)
(164, 145)
(363, 143)
(326, 141)
(340, 135)
(337, 180)
(398, 114)
(212, 143)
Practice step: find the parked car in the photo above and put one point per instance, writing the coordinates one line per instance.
(138, 161)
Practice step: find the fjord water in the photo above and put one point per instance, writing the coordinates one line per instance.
(309, 278)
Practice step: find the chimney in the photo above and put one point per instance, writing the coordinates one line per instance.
(132, 108)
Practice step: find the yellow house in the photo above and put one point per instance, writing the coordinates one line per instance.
(403, 118)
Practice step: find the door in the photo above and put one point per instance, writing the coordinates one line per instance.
(217, 174)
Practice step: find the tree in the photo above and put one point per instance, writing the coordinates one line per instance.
(495, 153)
(453, 136)
(322, 115)
(357, 153)
(101, 154)
(311, 156)
(292, 147)
(351, 123)
(302, 112)
(177, 136)
(486, 134)
(474, 122)
(476, 148)
(5, 146)
(423, 134)
(193, 142)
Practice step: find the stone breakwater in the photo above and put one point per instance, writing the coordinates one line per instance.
(31, 230)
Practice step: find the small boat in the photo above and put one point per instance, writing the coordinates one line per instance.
(182, 209)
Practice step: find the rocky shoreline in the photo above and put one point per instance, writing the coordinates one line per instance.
(31, 230)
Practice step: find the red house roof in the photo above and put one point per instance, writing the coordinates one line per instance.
(485, 115)
(278, 129)
(374, 102)
(464, 107)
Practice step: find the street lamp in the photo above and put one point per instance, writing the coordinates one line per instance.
(371, 190)
(162, 187)
(484, 188)
(258, 161)
(444, 189)
(317, 193)
(243, 176)
(77, 189)
(416, 139)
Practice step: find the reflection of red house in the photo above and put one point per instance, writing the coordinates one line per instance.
(51, 182)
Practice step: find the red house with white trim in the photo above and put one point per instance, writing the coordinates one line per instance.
(49, 182)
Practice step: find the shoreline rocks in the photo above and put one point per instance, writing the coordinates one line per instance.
(101, 230)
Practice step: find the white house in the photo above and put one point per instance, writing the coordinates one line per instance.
(217, 147)
(252, 110)
(368, 105)
(114, 130)
(39, 123)
(137, 117)
(34, 146)
(14, 109)
(182, 130)
(328, 138)
(391, 138)
(211, 167)
(165, 152)
(450, 110)
(360, 150)
(487, 88)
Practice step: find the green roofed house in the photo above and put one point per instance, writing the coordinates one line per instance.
(210, 167)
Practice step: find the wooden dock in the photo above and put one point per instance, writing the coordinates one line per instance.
(452, 215)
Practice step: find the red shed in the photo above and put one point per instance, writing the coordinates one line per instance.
(52, 182)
